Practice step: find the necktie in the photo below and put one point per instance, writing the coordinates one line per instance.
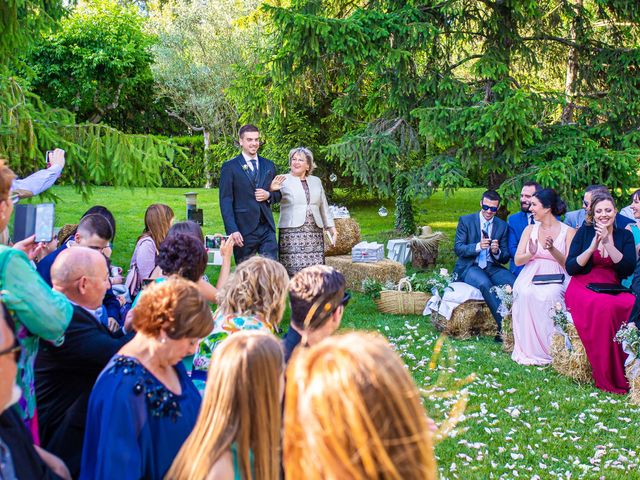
(254, 164)
(531, 222)
(482, 258)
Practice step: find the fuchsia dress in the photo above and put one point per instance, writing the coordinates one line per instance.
(597, 318)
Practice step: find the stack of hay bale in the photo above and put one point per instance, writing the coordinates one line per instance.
(338, 256)
(470, 319)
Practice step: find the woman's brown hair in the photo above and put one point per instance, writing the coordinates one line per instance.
(353, 412)
(257, 287)
(157, 221)
(241, 406)
(175, 306)
(597, 197)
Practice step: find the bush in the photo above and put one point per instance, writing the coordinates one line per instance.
(192, 164)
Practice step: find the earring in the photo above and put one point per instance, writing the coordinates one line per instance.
(163, 340)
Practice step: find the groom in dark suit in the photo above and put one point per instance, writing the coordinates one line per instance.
(481, 245)
(245, 200)
(519, 221)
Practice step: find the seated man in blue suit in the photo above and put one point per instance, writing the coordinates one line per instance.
(519, 221)
(576, 218)
(482, 245)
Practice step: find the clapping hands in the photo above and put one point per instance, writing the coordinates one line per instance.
(533, 246)
(548, 243)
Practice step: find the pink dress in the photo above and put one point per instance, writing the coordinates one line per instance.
(533, 304)
(597, 317)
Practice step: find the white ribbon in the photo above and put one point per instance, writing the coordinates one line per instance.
(632, 360)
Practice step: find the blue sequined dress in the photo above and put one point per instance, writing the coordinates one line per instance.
(135, 425)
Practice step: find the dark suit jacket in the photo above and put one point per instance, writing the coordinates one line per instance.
(64, 378)
(240, 210)
(517, 223)
(467, 237)
(623, 241)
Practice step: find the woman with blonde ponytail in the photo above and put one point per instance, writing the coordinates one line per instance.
(237, 434)
(352, 412)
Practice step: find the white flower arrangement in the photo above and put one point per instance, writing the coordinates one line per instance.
(245, 167)
(505, 295)
(559, 317)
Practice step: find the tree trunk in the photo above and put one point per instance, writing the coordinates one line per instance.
(405, 221)
(207, 163)
(572, 69)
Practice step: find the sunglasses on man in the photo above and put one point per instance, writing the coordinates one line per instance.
(487, 207)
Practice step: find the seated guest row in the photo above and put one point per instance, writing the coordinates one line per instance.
(602, 250)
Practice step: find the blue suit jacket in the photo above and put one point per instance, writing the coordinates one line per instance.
(240, 210)
(467, 237)
(517, 223)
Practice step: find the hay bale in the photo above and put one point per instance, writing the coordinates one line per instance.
(634, 383)
(470, 319)
(397, 302)
(571, 363)
(383, 271)
(507, 334)
(348, 236)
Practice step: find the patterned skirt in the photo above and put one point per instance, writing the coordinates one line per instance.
(301, 247)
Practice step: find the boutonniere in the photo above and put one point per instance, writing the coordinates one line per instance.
(245, 167)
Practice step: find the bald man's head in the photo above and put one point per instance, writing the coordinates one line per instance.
(82, 275)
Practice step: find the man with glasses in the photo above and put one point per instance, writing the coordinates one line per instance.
(65, 374)
(482, 245)
(19, 458)
(576, 218)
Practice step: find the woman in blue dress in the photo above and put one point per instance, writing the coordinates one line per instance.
(238, 431)
(144, 406)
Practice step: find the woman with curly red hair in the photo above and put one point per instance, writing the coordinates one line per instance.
(144, 406)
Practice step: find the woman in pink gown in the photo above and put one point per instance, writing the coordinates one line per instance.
(542, 250)
(601, 253)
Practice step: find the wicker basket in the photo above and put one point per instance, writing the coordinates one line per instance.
(400, 302)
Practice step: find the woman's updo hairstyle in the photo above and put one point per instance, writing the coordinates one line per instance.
(596, 198)
(550, 199)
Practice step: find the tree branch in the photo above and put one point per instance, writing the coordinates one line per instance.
(183, 120)
(464, 60)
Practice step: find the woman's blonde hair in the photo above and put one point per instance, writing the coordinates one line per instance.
(257, 287)
(353, 412)
(241, 405)
(308, 156)
(597, 197)
(175, 306)
(157, 222)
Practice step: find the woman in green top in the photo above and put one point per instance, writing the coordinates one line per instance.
(237, 435)
(37, 311)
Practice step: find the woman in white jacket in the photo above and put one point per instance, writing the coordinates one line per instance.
(304, 213)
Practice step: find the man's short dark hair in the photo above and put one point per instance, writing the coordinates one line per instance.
(106, 213)
(247, 128)
(533, 184)
(491, 195)
(320, 287)
(593, 188)
(96, 224)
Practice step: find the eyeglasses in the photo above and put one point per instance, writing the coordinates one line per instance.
(585, 204)
(15, 349)
(99, 249)
(487, 207)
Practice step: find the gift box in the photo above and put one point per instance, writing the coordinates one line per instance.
(367, 252)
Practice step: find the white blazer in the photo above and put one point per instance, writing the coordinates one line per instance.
(293, 206)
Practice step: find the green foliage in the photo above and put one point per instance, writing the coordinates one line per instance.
(97, 59)
(189, 168)
(448, 94)
(96, 154)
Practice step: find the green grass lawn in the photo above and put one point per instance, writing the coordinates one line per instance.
(520, 422)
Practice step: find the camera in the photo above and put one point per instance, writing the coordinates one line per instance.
(213, 242)
(34, 219)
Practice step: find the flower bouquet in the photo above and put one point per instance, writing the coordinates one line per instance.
(505, 295)
(629, 337)
(568, 356)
